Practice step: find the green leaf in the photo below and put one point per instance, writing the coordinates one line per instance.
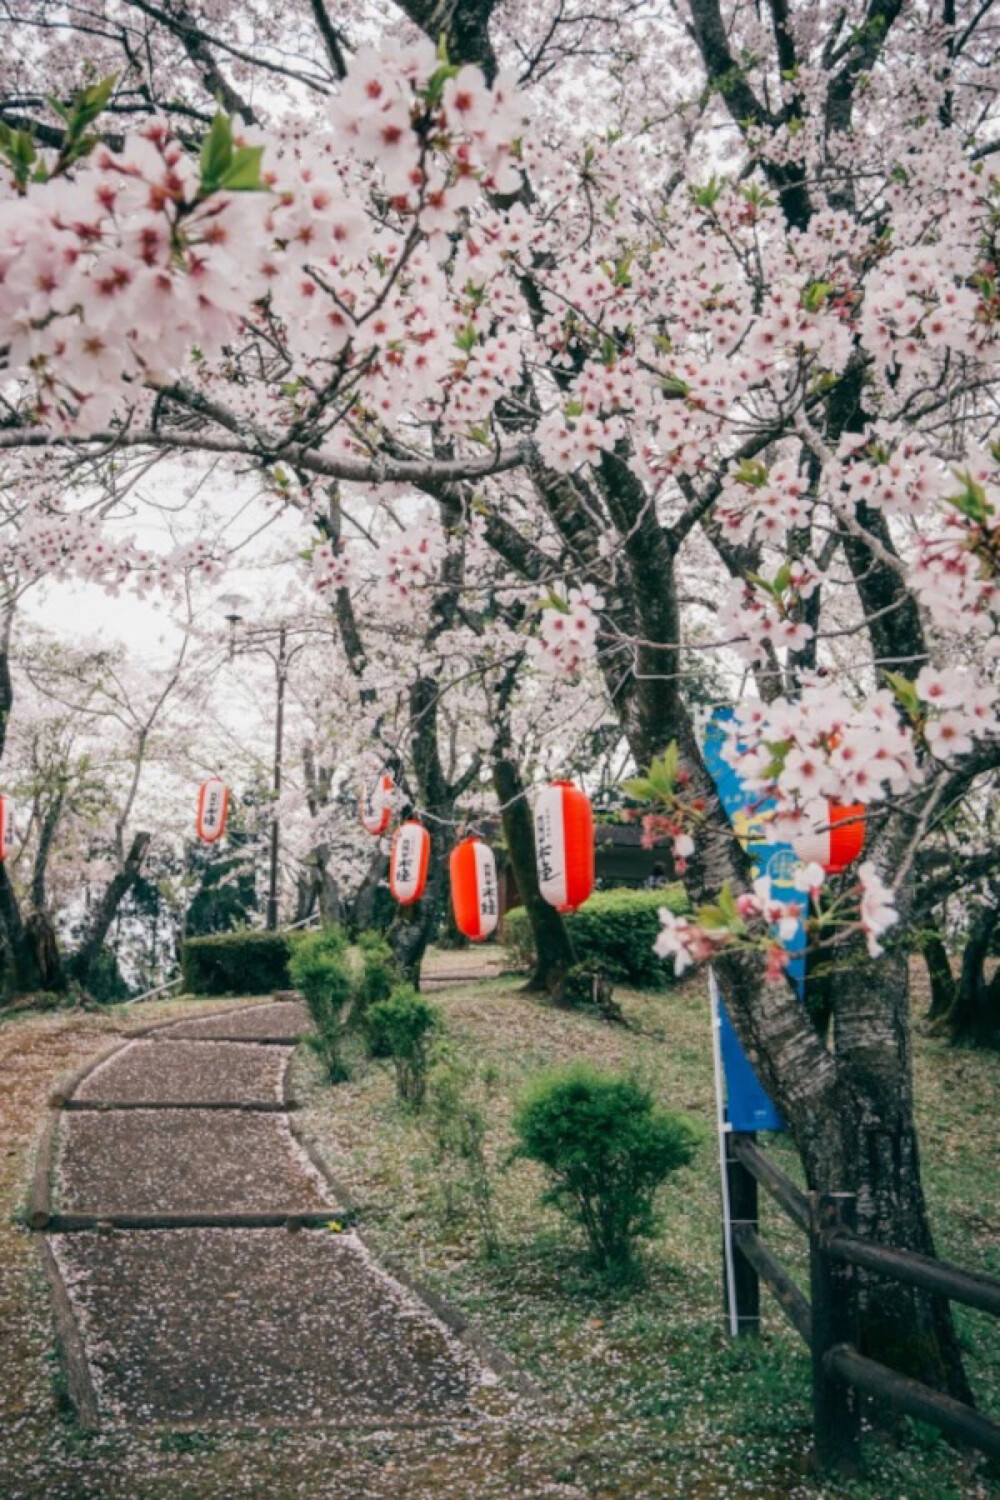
(659, 781)
(435, 84)
(673, 385)
(708, 195)
(971, 501)
(815, 295)
(905, 692)
(752, 472)
(710, 917)
(465, 338)
(216, 152)
(243, 173)
(727, 904)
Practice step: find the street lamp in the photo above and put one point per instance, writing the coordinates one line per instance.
(273, 644)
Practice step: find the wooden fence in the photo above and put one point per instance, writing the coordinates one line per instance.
(828, 1319)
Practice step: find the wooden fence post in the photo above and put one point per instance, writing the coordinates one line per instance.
(743, 1210)
(836, 1405)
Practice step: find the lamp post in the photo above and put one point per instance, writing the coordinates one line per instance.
(273, 644)
(280, 662)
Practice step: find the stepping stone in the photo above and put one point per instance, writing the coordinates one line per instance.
(183, 1161)
(284, 1022)
(151, 1072)
(237, 1326)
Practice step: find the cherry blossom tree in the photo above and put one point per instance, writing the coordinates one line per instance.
(695, 315)
(85, 734)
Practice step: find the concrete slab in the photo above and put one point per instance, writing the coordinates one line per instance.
(285, 1021)
(140, 1161)
(182, 1072)
(244, 1326)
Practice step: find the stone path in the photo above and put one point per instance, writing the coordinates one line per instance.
(199, 1273)
(444, 967)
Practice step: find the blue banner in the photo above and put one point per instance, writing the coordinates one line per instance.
(747, 1105)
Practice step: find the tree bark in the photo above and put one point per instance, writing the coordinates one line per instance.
(45, 956)
(942, 981)
(106, 909)
(414, 927)
(902, 1326)
(975, 1014)
(21, 974)
(554, 952)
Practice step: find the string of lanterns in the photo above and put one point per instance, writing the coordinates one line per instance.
(564, 848)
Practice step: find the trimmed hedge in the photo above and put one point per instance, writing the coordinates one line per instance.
(237, 963)
(616, 929)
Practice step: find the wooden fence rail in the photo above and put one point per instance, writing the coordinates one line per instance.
(828, 1319)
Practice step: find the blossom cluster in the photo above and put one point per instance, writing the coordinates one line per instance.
(53, 544)
(409, 563)
(143, 267)
(329, 568)
(753, 613)
(825, 747)
(112, 280)
(567, 631)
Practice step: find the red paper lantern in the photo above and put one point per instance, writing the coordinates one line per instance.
(411, 850)
(213, 805)
(474, 890)
(564, 845)
(376, 804)
(840, 844)
(6, 827)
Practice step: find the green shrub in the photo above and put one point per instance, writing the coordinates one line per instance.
(607, 1147)
(456, 1120)
(319, 968)
(587, 986)
(404, 1026)
(236, 963)
(616, 928)
(379, 971)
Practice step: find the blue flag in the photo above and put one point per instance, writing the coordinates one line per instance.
(747, 1105)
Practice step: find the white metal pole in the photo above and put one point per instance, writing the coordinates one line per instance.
(722, 1128)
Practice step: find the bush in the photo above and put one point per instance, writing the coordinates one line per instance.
(404, 1026)
(236, 963)
(319, 968)
(587, 986)
(607, 1148)
(379, 971)
(457, 1126)
(616, 928)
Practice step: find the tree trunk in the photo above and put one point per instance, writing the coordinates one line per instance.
(942, 980)
(45, 956)
(413, 927)
(363, 906)
(327, 891)
(22, 974)
(553, 947)
(903, 1327)
(975, 1014)
(106, 909)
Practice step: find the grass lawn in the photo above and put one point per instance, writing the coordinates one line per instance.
(643, 1392)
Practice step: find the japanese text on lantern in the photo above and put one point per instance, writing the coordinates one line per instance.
(544, 844)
